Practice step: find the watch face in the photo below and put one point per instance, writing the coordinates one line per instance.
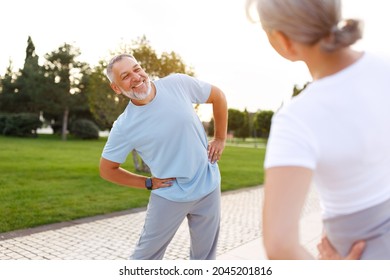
(149, 183)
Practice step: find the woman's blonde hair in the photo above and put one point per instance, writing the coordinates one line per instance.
(309, 21)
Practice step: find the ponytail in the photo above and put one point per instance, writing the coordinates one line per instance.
(342, 35)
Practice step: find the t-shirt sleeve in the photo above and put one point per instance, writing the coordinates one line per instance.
(117, 146)
(290, 143)
(197, 90)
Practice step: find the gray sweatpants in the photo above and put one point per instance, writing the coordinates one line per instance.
(164, 217)
(371, 225)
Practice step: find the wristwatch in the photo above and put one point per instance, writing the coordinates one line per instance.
(149, 183)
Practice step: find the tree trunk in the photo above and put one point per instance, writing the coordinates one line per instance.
(143, 167)
(65, 124)
(135, 160)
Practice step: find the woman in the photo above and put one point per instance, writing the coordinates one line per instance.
(335, 133)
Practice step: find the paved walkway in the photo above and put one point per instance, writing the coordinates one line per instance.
(113, 236)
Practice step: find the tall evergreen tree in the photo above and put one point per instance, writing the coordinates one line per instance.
(22, 91)
(31, 81)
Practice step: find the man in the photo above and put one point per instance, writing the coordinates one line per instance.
(161, 124)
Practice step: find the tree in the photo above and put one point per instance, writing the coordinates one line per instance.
(64, 76)
(104, 104)
(297, 90)
(145, 55)
(30, 82)
(244, 130)
(210, 130)
(173, 63)
(8, 91)
(235, 121)
(157, 66)
(22, 91)
(239, 123)
(263, 123)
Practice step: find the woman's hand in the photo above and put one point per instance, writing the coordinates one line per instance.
(328, 252)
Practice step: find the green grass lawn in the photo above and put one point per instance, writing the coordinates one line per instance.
(46, 180)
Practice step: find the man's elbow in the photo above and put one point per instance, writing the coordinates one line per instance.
(103, 172)
(105, 169)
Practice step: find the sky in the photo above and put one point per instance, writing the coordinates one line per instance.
(214, 37)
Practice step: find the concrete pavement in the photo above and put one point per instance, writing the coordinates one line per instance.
(112, 237)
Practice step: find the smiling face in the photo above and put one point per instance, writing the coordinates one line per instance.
(130, 79)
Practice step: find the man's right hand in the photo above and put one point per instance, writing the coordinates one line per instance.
(162, 183)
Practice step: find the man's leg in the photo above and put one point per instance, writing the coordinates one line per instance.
(163, 218)
(204, 221)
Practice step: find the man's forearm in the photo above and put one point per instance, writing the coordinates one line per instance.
(220, 114)
(123, 177)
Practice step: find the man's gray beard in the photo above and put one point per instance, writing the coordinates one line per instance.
(138, 96)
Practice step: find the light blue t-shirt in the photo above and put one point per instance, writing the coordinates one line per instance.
(170, 138)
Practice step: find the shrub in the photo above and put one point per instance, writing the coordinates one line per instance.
(3, 120)
(22, 124)
(84, 129)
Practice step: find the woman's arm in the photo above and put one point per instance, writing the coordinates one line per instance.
(284, 196)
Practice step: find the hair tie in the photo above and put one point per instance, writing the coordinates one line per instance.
(334, 29)
(341, 25)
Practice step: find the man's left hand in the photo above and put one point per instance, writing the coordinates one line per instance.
(215, 149)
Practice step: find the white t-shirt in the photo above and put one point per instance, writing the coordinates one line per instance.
(339, 127)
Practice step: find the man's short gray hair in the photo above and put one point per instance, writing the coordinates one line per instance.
(114, 60)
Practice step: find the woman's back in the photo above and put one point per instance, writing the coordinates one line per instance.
(339, 126)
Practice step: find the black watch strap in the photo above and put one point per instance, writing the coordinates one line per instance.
(149, 183)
